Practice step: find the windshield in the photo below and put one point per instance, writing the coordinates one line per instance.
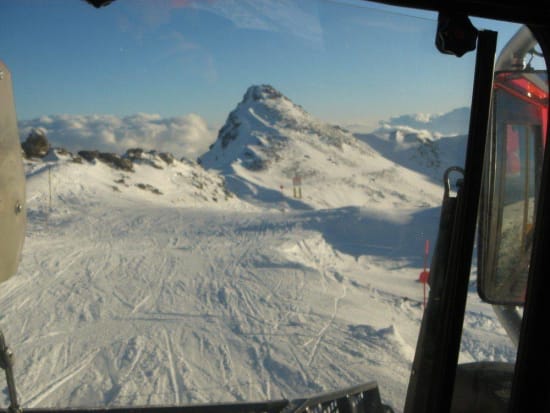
(228, 200)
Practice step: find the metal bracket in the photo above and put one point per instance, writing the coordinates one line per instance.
(6, 363)
(447, 180)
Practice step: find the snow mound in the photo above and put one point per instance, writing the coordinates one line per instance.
(387, 337)
(310, 251)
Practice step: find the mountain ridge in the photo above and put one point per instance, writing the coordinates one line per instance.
(263, 121)
(269, 143)
(272, 152)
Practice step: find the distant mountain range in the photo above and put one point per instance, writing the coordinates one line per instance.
(451, 123)
(272, 152)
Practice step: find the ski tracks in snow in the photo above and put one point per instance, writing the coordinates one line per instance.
(172, 368)
(59, 380)
(195, 306)
(321, 333)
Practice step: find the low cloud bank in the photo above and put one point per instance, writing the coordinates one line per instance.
(185, 136)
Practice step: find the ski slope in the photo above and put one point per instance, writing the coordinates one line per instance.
(129, 297)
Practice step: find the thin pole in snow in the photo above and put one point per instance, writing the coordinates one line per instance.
(50, 186)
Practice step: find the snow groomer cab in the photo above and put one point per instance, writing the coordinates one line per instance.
(493, 231)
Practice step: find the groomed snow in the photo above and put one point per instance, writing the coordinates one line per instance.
(127, 297)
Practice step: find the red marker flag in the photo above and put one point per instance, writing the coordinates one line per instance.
(425, 275)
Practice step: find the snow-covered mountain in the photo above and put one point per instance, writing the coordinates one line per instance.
(262, 129)
(425, 143)
(152, 281)
(419, 151)
(454, 122)
(268, 141)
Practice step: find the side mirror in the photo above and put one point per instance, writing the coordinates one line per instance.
(510, 185)
(12, 182)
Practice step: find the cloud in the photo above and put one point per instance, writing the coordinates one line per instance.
(298, 18)
(454, 122)
(185, 136)
(179, 43)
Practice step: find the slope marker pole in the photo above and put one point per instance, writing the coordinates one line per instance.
(425, 275)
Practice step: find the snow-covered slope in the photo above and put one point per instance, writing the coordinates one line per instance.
(153, 285)
(144, 176)
(428, 144)
(419, 151)
(268, 140)
(126, 303)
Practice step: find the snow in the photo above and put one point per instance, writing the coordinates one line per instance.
(221, 287)
(268, 140)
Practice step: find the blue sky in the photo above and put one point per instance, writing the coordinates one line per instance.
(346, 62)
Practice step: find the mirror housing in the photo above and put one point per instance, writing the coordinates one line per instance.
(12, 182)
(510, 185)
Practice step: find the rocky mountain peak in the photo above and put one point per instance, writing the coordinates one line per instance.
(257, 93)
(262, 128)
(36, 145)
